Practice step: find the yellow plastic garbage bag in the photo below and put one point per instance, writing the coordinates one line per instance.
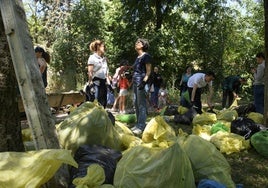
(256, 117)
(155, 167)
(202, 131)
(31, 169)
(205, 118)
(26, 135)
(182, 109)
(207, 162)
(94, 178)
(227, 115)
(127, 138)
(229, 142)
(89, 124)
(158, 129)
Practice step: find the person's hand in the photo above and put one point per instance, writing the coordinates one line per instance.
(141, 85)
(110, 88)
(91, 88)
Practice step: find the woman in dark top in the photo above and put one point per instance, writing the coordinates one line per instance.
(141, 72)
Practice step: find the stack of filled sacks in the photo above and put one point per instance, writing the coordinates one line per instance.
(216, 128)
(164, 160)
(158, 159)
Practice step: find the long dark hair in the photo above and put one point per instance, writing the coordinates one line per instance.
(45, 55)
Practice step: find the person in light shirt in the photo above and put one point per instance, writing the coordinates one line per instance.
(195, 84)
(258, 84)
(98, 72)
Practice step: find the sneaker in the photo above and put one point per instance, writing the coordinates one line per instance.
(136, 131)
(113, 110)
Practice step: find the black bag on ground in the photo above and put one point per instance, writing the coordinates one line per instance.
(87, 155)
(245, 127)
(171, 110)
(243, 110)
(185, 118)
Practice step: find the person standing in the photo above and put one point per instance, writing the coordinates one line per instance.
(123, 67)
(43, 59)
(195, 84)
(184, 79)
(98, 72)
(124, 84)
(141, 72)
(230, 89)
(258, 84)
(162, 96)
(155, 85)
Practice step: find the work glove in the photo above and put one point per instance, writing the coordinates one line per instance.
(141, 85)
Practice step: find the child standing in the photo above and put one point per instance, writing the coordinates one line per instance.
(124, 84)
(162, 97)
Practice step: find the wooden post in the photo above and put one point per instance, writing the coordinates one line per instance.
(28, 75)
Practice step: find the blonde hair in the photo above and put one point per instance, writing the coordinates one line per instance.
(94, 46)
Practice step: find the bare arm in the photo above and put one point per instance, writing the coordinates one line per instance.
(42, 64)
(148, 71)
(193, 92)
(210, 96)
(90, 73)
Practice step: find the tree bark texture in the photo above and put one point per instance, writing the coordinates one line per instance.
(10, 128)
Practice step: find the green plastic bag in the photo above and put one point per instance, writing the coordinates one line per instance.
(219, 126)
(126, 118)
(186, 96)
(259, 141)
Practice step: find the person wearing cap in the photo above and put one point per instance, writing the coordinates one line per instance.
(258, 83)
(42, 59)
(141, 72)
(230, 88)
(195, 84)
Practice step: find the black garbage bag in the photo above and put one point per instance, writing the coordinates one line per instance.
(185, 118)
(111, 117)
(101, 155)
(243, 110)
(171, 110)
(245, 127)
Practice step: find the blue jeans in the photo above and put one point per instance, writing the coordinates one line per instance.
(101, 94)
(258, 91)
(140, 106)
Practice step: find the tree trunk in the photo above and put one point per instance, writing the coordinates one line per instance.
(265, 114)
(10, 128)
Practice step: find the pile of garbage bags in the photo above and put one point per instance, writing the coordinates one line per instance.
(104, 153)
(162, 157)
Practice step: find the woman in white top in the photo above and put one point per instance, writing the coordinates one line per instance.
(98, 72)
